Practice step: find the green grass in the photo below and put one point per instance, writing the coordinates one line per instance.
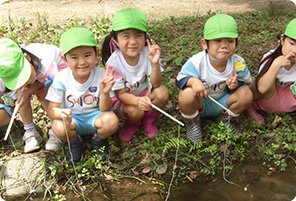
(179, 38)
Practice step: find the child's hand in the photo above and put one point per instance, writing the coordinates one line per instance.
(285, 60)
(107, 82)
(22, 96)
(232, 80)
(199, 88)
(144, 103)
(154, 52)
(67, 115)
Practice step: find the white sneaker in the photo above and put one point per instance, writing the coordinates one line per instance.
(53, 143)
(32, 140)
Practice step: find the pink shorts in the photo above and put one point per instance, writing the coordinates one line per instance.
(283, 100)
(118, 105)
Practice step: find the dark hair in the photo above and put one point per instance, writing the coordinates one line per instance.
(106, 52)
(270, 58)
(35, 61)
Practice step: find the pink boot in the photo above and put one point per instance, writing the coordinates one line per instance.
(149, 123)
(128, 130)
(251, 112)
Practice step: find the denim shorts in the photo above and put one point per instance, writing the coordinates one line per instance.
(7, 108)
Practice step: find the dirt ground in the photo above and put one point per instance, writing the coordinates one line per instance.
(56, 11)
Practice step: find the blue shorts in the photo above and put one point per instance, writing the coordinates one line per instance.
(211, 108)
(85, 122)
(7, 108)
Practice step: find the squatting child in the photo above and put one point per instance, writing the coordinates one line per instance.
(29, 70)
(215, 72)
(274, 87)
(135, 60)
(79, 97)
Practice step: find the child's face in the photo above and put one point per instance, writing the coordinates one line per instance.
(221, 49)
(131, 42)
(288, 46)
(81, 60)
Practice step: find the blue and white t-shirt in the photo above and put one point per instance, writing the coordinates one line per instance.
(199, 66)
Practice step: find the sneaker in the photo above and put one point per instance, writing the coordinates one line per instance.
(193, 130)
(32, 139)
(100, 148)
(76, 149)
(53, 143)
(224, 118)
(251, 112)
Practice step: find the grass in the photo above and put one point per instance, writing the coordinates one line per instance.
(273, 144)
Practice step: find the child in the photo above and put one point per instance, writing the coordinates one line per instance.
(214, 72)
(30, 70)
(79, 97)
(136, 61)
(273, 87)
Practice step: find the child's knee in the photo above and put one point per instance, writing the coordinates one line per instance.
(110, 122)
(187, 97)
(161, 93)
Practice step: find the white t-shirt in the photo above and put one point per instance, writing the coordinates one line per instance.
(199, 66)
(133, 78)
(284, 77)
(80, 98)
(51, 61)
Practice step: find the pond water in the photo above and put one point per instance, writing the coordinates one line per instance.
(279, 186)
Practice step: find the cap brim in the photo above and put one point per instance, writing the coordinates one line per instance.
(22, 78)
(221, 35)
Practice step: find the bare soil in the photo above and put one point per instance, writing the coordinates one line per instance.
(57, 11)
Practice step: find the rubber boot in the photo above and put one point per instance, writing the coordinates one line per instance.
(128, 130)
(149, 123)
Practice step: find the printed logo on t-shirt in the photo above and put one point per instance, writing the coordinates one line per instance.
(93, 89)
(8, 100)
(47, 82)
(239, 65)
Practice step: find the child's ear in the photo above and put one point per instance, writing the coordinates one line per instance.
(64, 58)
(204, 44)
(282, 39)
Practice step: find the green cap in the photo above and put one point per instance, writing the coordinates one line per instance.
(129, 18)
(291, 29)
(220, 26)
(15, 69)
(76, 37)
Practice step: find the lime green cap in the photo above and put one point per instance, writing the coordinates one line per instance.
(15, 69)
(129, 18)
(220, 26)
(76, 37)
(291, 29)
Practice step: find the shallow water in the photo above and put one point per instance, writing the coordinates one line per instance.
(280, 186)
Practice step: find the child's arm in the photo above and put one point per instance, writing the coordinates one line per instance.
(24, 93)
(197, 86)
(144, 102)
(267, 81)
(154, 56)
(55, 112)
(106, 84)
